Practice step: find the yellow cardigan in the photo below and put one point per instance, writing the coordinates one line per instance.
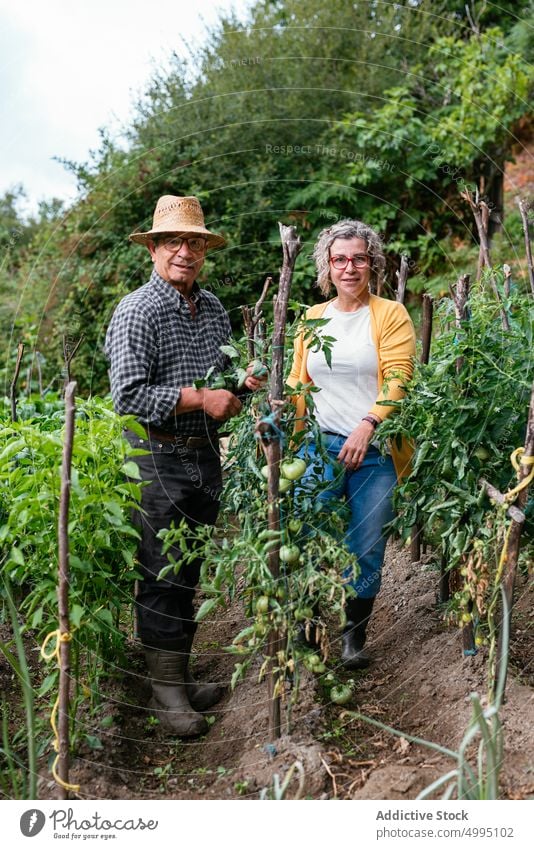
(394, 337)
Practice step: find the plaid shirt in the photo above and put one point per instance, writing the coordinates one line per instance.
(155, 347)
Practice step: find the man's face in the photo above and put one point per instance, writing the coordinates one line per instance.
(178, 259)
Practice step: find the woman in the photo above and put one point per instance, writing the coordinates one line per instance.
(371, 358)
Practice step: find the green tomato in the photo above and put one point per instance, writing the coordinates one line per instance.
(289, 554)
(284, 484)
(294, 525)
(293, 469)
(303, 613)
(262, 604)
(341, 694)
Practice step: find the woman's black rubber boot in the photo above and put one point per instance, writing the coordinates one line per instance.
(353, 653)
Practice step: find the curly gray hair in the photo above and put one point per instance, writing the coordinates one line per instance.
(348, 228)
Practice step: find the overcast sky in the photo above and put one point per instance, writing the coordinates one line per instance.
(68, 67)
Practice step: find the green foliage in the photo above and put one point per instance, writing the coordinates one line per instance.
(444, 129)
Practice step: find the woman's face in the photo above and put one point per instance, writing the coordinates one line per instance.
(352, 282)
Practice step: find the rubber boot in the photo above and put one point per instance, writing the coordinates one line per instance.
(201, 696)
(169, 702)
(353, 653)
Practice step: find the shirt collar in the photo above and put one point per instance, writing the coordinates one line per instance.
(175, 297)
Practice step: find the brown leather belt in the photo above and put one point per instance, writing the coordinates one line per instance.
(179, 439)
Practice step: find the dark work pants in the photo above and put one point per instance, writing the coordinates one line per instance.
(184, 483)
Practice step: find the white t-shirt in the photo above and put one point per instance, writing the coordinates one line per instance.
(349, 389)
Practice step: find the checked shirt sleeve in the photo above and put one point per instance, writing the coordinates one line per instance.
(132, 349)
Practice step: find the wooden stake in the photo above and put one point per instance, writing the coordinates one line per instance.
(460, 296)
(426, 331)
(68, 356)
(480, 212)
(514, 537)
(524, 208)
(63, 591)
(428, 309)
(13, 387)
(269, 433)
(402, 277)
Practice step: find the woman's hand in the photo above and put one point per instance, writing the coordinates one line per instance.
(355, 448)
(257, 375)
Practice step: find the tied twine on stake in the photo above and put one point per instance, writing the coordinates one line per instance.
(511, 495)
(59, 637)
(507, 498)
(516, 463)
(268, 429)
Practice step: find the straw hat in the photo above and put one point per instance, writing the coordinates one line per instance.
(180, 216)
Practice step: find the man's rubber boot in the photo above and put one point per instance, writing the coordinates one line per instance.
(169, 702)
(353, 653)
(201, 696)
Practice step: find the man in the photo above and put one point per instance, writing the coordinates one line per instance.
(161, 338)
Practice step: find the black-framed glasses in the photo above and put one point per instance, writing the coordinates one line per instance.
(340, 261)
(196, 244)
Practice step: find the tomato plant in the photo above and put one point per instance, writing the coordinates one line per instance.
(313, 557)
(465, 422)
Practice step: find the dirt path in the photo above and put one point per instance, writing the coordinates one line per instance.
(419, 683)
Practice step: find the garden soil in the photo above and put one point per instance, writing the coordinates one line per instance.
(419, 683)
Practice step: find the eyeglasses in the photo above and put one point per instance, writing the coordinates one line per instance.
(196, 244)
(340, 262)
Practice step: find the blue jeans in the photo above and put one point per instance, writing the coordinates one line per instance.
(368, 493)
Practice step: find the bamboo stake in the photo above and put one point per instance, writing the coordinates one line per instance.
(512, 546)
(63, 592)
(13, 387)
(269, 434)
(524, 209)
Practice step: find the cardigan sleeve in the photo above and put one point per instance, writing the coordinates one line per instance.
(396, 351)
(296, 366)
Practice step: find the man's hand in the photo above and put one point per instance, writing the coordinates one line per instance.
(355, 448)
(220, 404)
(217, 403)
